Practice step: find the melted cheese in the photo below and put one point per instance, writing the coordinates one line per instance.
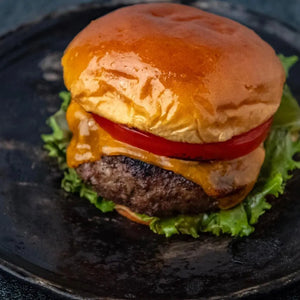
(227, 181)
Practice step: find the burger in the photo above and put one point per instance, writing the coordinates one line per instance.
(168, 110)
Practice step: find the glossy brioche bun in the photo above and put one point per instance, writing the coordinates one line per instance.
(174, 71)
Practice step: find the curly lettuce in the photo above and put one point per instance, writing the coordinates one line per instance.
(281, 147)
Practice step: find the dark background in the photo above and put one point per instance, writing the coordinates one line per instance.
(14, 13)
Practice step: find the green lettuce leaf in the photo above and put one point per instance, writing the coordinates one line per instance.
(56, 142)
(281, 146)
(288, 114)
(287, 62)
(233, 221)
(72, 183)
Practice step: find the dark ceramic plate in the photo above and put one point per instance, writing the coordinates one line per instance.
(62, 242)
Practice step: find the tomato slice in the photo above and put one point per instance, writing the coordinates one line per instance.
(237, 146)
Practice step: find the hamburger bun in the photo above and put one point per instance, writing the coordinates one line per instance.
(221, 81)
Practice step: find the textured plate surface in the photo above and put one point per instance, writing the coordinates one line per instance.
(61, 241)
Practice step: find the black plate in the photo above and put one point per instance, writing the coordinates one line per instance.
(62, 242)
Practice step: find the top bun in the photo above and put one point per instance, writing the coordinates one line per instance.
(174, 71)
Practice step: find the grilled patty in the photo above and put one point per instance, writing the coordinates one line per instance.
(145, 188)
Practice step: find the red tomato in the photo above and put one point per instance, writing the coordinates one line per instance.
(237, 146)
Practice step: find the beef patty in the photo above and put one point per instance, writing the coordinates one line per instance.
(145, 188)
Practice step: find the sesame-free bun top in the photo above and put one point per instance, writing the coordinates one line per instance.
(174, 71)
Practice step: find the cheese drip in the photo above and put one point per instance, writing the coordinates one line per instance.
(227, 181)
